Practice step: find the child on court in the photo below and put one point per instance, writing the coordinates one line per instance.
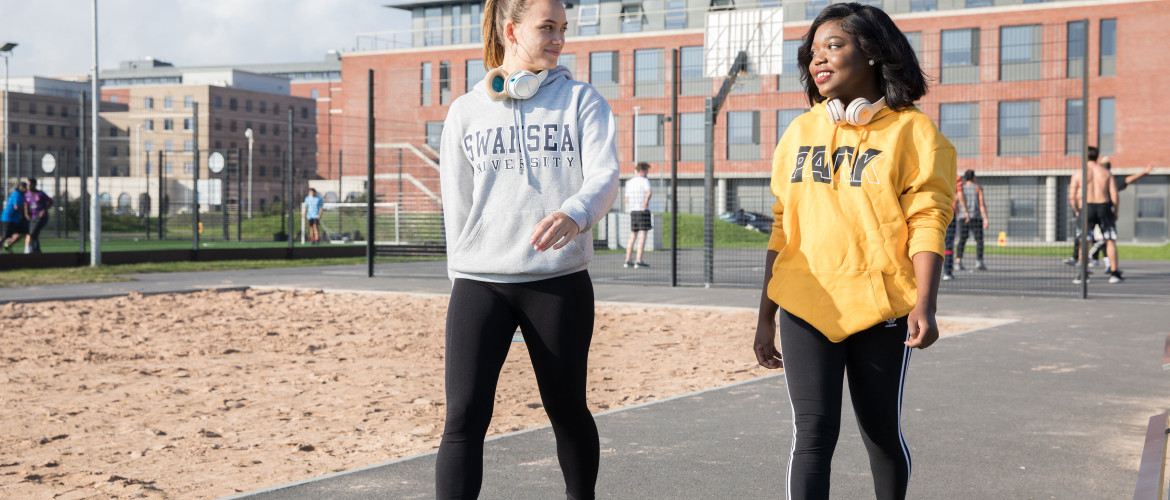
(528, 166)
(864, 186)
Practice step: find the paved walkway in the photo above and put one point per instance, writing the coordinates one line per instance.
(1053, 405)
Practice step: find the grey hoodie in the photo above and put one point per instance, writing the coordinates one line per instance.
(505, 165)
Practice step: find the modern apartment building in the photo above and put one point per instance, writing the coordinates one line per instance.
(1007, 80)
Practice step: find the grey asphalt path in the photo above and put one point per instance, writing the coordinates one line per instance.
(1053, 405)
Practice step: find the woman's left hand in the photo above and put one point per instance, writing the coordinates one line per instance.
(555, 231)
(922, 327)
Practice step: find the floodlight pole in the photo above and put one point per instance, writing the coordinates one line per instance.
(711, 112)
(248, 134)
(7, 51)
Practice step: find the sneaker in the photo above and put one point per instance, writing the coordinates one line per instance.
(1070, 262)
(979, 265)
(1077, 280)
(638, 265)
(628, 264)
(960, 266)
(1094, 262)
(27, 249)
(948, 277)
(1115, 277)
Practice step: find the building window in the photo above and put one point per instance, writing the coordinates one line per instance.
(589, 17)
(169, 146)
(676, 14)
(923, 5)
(168, 123)
(148, 146)
(304, 113)
(233, 104)
(456, 25)
(263, 171)
(691, 71)
(263, 107)
(476, 22)
(276, 129)
(979, 3)
(189, 145)
(1151, 211)
(170, 167)
(648, 134)
(14, 128)
(1019, 53)
(915, 39)
(218, 102)
(789, 78)
(433, 21)
(425, 87)
(189, 167)
(569, 61)
(959, 123)
(49, 130)
(276, 108)
(248, 105)
(691, 133)
(50, 110)
(474, 74)
(721, 5)
(743, 135)
(314, 93)
(814, 7)
(1108, 47)
(603, 73)
(1023, 193)
(648, 73)
(1076, 48)
(32, 129)
(263, 129)
(1019, 128)
(1106, 124)
(232, 125)
(434, 134)
(188, 123)
(188, 102)
(113, 151)
(148, 124)
(769, 4)
(114, 98)
(784, 118)
(32, 108)
(960, 56)
(113, 131)
(168, 102)
(147, 103)
(632, 18)
(444, 83)
(149, 168)
(218, 124)
(1074, 127)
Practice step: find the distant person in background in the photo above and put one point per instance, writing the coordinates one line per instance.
(1122, 181)
(38, 208)
(949, 254)
(1099, 208)
(974, 219)
(638, 194)
(311, 212)
(15, 216)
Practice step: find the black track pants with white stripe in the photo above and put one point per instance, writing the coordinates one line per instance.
(875, 360)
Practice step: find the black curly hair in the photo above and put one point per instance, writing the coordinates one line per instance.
(900, 77)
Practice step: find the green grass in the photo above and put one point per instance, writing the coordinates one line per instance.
(124, 272)
(1131, 252)
(727, 235)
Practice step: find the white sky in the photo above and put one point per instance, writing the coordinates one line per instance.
(55, 36)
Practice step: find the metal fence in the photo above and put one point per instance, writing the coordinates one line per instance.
(1010, 98)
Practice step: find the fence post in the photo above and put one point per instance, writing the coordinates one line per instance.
(291, 179)
(675, 88)
(370, 192)
(195, 187)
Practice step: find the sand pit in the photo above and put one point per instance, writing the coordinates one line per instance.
(208, 394)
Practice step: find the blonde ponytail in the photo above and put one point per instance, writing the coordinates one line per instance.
(495, 15)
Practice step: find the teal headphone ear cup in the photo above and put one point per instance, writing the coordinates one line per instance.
(495, 83)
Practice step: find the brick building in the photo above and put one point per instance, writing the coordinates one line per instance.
(1006, 88)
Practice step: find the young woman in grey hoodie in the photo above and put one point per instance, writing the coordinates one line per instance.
(527, 165)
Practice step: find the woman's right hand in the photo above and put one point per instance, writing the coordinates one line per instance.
(765, 345)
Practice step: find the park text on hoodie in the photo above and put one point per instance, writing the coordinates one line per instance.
(854, 204)
(506, 165)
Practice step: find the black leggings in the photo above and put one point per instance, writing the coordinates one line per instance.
(556, 317)
(965, 228)
(876, 360)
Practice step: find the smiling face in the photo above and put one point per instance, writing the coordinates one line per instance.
(535, 43)
(838, 67)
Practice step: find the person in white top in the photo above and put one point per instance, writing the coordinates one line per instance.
(638, 194)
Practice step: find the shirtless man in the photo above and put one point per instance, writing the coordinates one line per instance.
(1100, 207)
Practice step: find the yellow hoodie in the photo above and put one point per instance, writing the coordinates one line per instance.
(847, 224)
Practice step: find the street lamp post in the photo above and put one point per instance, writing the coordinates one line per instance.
(248, 134)
(7, 51)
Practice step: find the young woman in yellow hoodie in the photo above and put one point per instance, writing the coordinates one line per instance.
(864, 186)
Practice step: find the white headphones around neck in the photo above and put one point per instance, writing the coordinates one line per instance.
(859, 112)
(522, 84)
